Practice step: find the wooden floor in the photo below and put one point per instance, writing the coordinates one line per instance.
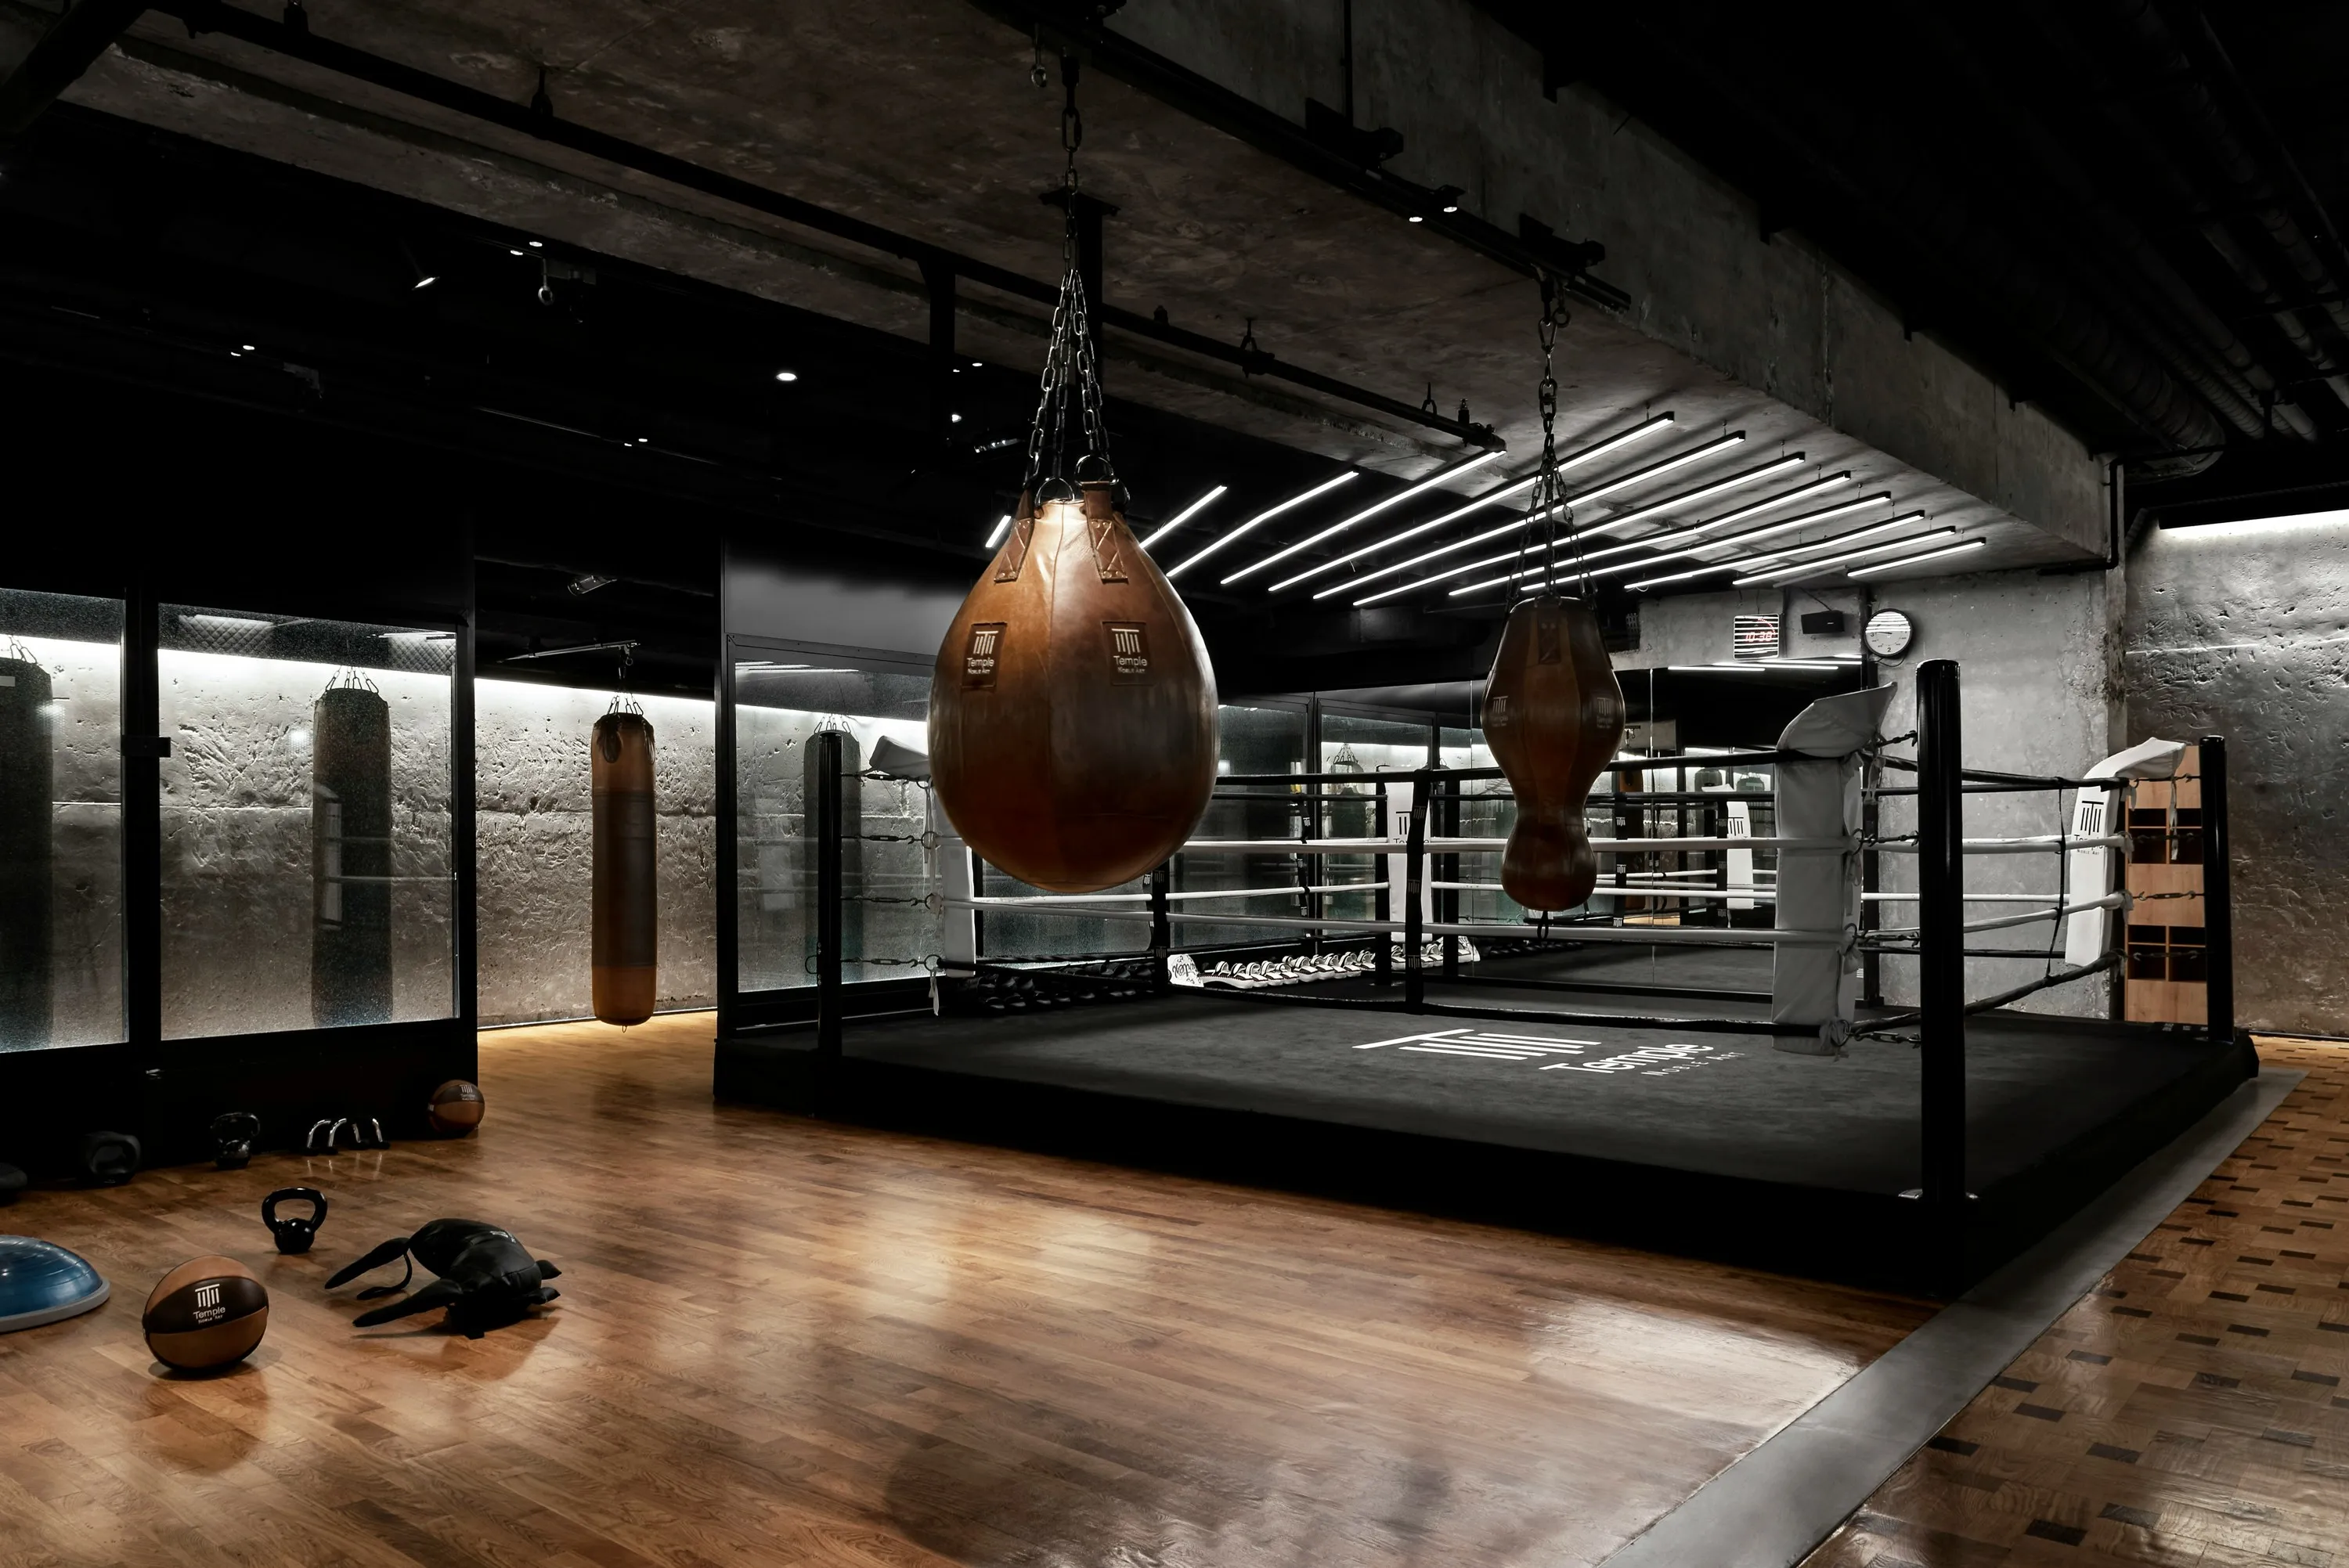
(2191, 1410)
(785, 1342)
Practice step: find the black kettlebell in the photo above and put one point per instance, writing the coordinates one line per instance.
(294, 1232)
(233, 1135)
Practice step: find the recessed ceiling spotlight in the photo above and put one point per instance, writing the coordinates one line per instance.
(955, 418)
(512, 253)
(535, 245)
(1447, 197)
(1417, 219)
(787, 374)
(250, 349)
(978, 365)
(427, 281)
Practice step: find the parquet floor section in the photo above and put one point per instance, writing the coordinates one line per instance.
(2191, 1410)
(784, 1342)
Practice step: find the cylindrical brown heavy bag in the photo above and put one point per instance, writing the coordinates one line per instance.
(1072, 710)
(27, 832)
(350, 857)
(626, 897)
(1553, 714)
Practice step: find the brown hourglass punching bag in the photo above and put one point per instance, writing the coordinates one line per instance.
(1553, 714)
(1072, 708)
(626, 900)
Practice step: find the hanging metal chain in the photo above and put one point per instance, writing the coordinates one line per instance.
(1071, 374)
(1550, 498)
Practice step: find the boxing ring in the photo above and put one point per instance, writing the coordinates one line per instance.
(1728, 1087)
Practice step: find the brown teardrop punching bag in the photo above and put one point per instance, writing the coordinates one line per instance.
(351, 854)
(626, 897)
(1072, 708)
(1553, 715)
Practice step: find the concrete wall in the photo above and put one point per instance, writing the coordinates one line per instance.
(86, 964)
(535, 840)
(1775, 314)
(2243, 631)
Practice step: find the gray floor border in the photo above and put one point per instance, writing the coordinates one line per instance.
(1774, 1506)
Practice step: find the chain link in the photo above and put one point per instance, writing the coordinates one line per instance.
(1070, 373)
(1549, 498)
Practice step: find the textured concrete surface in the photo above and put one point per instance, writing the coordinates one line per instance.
(2243, 631)
(87, 941)
(236, 873)
(533, 819)
(1725, 329)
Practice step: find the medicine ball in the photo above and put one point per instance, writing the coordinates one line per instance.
(456, 1108)
(207, 1312)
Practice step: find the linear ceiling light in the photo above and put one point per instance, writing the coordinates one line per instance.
(1635, 477)
(1705, 492)
(1773, 502)
(996, 537)
(1180, 517)
(1957, 549)
(1783, 568)
(1588, 454)
(1335, 528)
(1771, 558)
(1324, 488)
(1694, 571)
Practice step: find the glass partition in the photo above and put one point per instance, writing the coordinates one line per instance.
(1253, 741)
(306, 873)
(60, 821)
(887, 929)
(1487, 811)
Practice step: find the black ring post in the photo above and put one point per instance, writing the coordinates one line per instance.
(1447, 868)
(1941, 963)
(827, 894)
(1383, 899)
(1162, 927)
(1415, 983)
(2219, 901)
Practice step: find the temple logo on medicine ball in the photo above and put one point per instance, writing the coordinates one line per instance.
(27, 890)
(627, 896)
(455, 1109)
(351, 854)
(1553, 715)
(206, 1313)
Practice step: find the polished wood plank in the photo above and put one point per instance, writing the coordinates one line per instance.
(782, 1341)
(2193, 1409)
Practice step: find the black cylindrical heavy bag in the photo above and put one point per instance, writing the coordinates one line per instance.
(27, 889)
(627, 905)
(350, 857)
(851, 841)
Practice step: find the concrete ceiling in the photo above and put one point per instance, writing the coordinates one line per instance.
(921, 116)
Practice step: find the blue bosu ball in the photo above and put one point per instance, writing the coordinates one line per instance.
(40, 1282)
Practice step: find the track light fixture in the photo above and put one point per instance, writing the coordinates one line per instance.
(588, 581)
(787, 376)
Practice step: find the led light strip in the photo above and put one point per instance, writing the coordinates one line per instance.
(1180, 517)
(1742, 563)
(1335, 528)
(1637, 476)
(1957, 549)
(1785, 568)
(1002, 523)
(1588, 454)
(1324, 488)
(1704, 492)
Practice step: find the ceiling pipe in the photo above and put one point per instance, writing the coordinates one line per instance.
(70, 46)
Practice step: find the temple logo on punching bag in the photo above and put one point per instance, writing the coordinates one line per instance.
(1072, 708)
(1553, 715)
(626, 897)
(27, 882)
(1073, 715)
(351, 854)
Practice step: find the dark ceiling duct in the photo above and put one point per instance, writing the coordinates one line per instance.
(72, 44)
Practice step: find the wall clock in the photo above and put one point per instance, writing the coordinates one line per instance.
(1889, 632)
